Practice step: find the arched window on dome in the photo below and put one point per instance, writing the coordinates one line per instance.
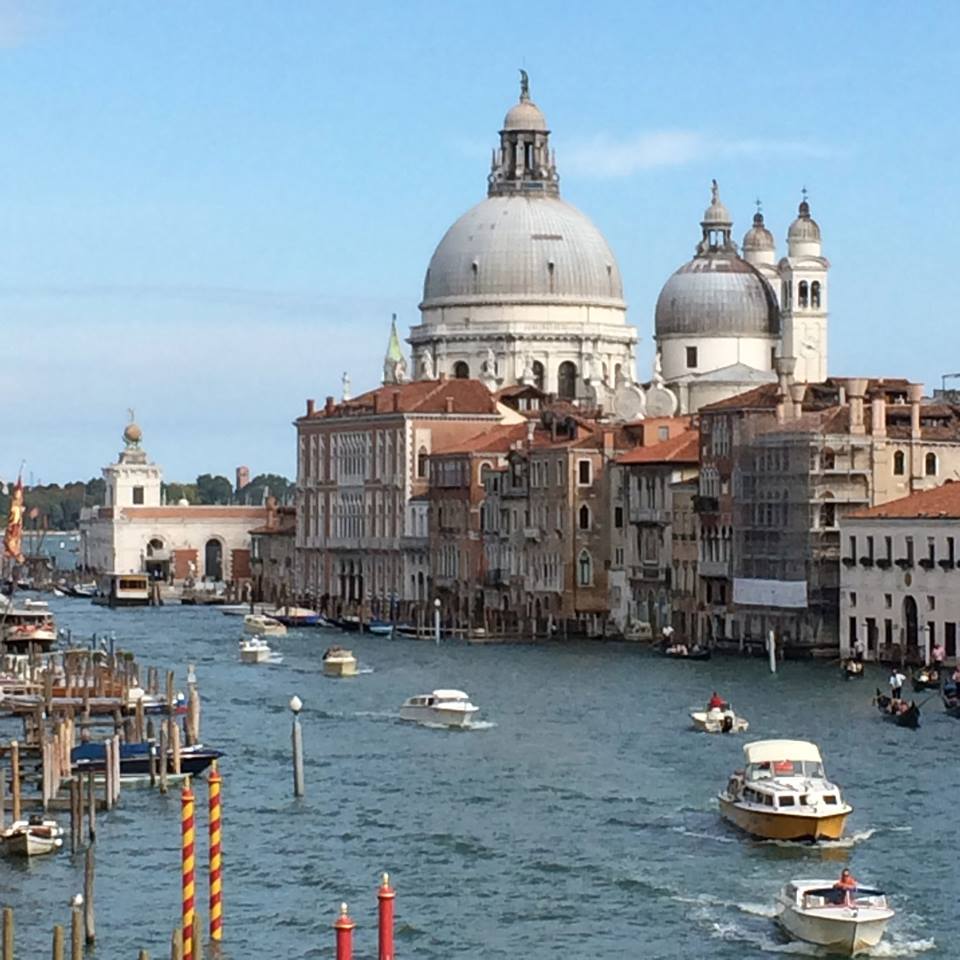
(461, 370)
(538, 374)
(803, 294)
(815, 294)
(567, 380)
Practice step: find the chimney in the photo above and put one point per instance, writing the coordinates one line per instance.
(272, 513)
(797, 393)
(329, 406)
(243, 473)
(915, 393)
(608, 444)
(878, 416)
(531, 430)
(448, 404)
(310, 408)
(856, 388)
(396, 401)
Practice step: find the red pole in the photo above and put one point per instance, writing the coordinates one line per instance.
(344, 927)
(386, 895)
(187, 866)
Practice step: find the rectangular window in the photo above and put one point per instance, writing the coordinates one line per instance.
(618, 556)
(870, 549)
(931, 603)
(888, 543)
(908, 542)
(559, 473)
(138, 496)
(853, 548)
(950, 639)
(852, 631)
(691, 358)
(932, 628)
(871, 633)
(584, 472)
(888, 632)
(663, 433)
(888, 600)
(853, 598)
(951, 557)
(618, 517)
(932, 549)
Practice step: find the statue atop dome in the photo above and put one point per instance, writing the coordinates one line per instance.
(132, 434)
(524, 85)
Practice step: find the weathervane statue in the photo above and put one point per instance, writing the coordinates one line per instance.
(524, 85)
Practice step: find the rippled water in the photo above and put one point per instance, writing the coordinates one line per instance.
(580, 821)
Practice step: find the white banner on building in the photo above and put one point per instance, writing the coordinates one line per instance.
(770, 593)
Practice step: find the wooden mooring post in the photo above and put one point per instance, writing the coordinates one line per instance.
(89, 923)
(15, 777)
(58, 942)
(8, 933)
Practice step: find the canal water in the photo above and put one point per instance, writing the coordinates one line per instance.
(579, 821)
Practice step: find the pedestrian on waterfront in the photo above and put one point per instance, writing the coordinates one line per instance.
(937, 654)
(858, 649)
(896, 683)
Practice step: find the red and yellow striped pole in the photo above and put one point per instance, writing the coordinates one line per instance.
(187, 866)
(216, 908)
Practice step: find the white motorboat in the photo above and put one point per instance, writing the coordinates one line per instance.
(262, 625)
(254, 650)
(446, 708)
(32, 838)
(819, 912)
(718, 720)
(339, 662)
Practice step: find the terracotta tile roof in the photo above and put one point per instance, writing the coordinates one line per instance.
(495, 439)
(684, 448)
(421, 396)
(936, 503)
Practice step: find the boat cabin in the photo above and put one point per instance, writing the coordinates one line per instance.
(125, 589)
(783, 775)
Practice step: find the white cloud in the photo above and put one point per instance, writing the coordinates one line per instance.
(607, 157)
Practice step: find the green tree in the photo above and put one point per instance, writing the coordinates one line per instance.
(279, 487)
(214, 489)
(173, 493)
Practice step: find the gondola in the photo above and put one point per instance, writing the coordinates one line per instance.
(694, 653)
(951, 699)
(909, 718)
(852, 669)
(926, 678)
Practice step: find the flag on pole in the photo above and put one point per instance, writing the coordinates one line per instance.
(13, 537)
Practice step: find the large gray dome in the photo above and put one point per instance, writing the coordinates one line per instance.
(516, 249)
(717, 295)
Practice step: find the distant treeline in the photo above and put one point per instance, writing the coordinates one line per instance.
(58, 507)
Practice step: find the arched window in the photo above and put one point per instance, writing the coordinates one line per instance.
(930, 464)
(584, 569)
(828, 459)
(422, 463)
(538, 374)
(584, 517)
(567, 380)
(815, 294)
(803, 296)
(461, 370)
(899, 463)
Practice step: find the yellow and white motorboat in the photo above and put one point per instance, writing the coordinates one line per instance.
(339, 662)
(783, 794)
(261, 625)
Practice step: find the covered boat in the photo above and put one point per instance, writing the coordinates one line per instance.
(783, 793)
(339, 662)
(843, 921)
(900, 712)
(446, 708)
(32, 838)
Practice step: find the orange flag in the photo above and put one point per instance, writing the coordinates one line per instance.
(13, 538)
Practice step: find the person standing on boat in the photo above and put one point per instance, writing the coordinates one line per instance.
(848, 885)
(716, 702)
(896, 683)
(936, 655)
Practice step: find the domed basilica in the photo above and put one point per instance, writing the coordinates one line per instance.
(523, 288)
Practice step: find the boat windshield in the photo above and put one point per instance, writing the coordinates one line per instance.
(834, 896)
(785, 768)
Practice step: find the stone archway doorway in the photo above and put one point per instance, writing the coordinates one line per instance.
(213, 560)
(910, 624)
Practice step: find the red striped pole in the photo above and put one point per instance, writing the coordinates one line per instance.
(216, 907)
(187, 866)
(344, 927)
(386, 895)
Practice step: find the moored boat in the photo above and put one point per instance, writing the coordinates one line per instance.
(380, 628)
(255, 650)
(446, 708)
(339, 662)
(296, 616)
(783, 793)
(135, 758)
(31, 838)
(852, 669)
(680, 651)
(262, 625)
(23, 627)
(842, 921)
(123, 590)
(898, 711)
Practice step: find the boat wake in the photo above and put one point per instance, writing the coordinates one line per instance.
(703, 835)
(844, 843)
(364, 670)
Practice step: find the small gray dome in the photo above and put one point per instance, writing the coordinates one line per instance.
(717, 295)
(525, 115)
(518, 249)
(758, 237)
(804, 227)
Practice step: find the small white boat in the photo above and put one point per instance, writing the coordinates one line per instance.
(262, 625)
(32, 838)
(339, 662)
(254, 650)
(447, 708)
(718, 720)
(818, 912)
(57, 592)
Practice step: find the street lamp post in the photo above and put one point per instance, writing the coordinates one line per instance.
(296, 705)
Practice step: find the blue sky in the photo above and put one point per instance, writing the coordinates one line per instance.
(208, 211)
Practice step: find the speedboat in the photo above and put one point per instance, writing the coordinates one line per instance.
(719, 720)
(339, 662)
(783, 794)
(33, 837)
(845, 922)
(261, 624)
(254, 650)
(444, 708)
